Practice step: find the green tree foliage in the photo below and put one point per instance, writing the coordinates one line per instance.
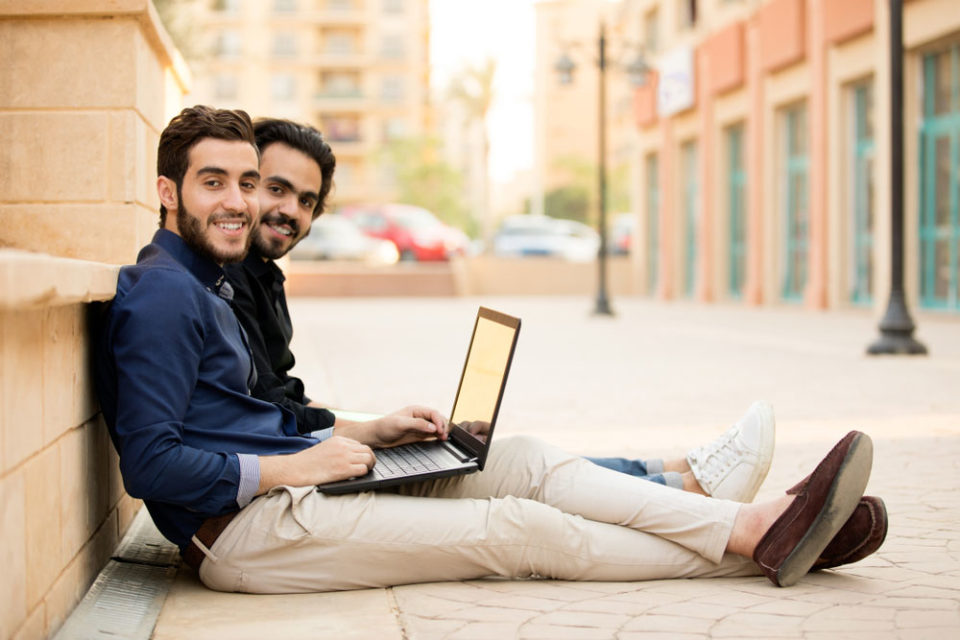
(424, 179)
(577, 199)
(177, 17)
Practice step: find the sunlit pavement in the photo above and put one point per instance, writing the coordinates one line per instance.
(652, 381)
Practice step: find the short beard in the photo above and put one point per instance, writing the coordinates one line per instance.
(192, 231)
(268, 249)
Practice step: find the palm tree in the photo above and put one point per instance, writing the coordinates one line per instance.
(473, 89)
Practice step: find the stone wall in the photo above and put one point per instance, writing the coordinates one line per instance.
(85, 88)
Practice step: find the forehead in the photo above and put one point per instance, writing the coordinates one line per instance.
(234, 156)
(282, 161)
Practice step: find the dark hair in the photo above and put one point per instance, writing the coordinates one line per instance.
(305, 139)
(188, 128)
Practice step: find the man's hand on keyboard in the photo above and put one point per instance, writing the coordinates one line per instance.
(410, 424)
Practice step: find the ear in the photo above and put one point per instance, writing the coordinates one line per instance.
(167, 190)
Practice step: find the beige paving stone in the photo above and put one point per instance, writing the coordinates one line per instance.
(581, 619)
(789, 607)
(694, 610)
(680, 624)
(13, 552)
(485, 631)
(756, 625)
(657, 635)
(836, 620)
(909, 619)
(519, 601)
(417, 628)
(192, 611)
(487, 614)
(608, 605)
(553, 632)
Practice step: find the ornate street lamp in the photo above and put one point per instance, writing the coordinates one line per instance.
(896, 327)
(637, 71)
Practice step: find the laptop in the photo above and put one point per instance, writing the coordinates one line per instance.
(472, 419)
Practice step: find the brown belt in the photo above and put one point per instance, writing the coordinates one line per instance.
(208, 533)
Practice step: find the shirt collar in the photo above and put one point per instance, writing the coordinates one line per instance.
(208, 272)
(265, 270)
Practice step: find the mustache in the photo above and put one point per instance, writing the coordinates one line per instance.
(281, 219)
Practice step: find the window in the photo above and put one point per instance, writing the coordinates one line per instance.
(340, 43)
(651, 31)
(229, 44)
(395, 128)
(737, 210)
(653, 220)
(340, 85)
(225, 87)
(691, 213)
(393, 6)
(285, 45)
(393, 46)
(392, 89)
(341, 129)
(940, 181)
(340, 5)
(284, 6)
(283, 87)
(862, 200)
(795, 194)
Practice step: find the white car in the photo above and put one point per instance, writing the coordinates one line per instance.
(333, 237)
(530, 235)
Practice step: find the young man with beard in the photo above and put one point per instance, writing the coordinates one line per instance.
(297, 167)
(228, 478)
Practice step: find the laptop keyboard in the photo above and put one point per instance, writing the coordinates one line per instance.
(403, 461)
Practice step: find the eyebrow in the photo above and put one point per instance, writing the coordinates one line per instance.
(219, 171)
(289, 185)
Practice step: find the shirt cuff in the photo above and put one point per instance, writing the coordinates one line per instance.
(249, 478)
(322, 434)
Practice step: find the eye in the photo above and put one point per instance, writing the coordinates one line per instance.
(249, 184)
(275, 189)
(213, 183)
(306, 203)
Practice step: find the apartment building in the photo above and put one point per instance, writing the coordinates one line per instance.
(356, 69)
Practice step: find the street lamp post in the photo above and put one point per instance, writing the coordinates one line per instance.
(896, 327)
(637, 71)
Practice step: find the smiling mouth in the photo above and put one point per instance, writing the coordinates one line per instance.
(282, 230)
(231, 227)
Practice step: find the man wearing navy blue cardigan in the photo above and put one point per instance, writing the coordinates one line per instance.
(230, 480)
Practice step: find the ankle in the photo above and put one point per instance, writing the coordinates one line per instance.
(752, 523)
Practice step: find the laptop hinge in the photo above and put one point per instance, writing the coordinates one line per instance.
(458, 454)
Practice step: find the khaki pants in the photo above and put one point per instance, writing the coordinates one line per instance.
(533, 511)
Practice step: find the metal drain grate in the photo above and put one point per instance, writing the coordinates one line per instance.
(124, 602)
(126, 598)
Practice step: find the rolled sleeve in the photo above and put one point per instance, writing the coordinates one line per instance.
(249, 478)
(322, 434)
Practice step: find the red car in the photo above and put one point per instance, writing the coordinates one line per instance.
(418, 234)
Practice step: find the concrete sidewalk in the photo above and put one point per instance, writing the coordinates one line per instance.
(652, 381)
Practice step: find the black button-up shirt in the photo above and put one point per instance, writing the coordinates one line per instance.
(261, 306)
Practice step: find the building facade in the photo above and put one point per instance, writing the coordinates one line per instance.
(760, 151)
(356, 69)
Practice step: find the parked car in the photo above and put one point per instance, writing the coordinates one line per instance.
(334, 237)
(530, 235)
(417, 233)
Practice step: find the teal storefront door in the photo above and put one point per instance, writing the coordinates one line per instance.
(940, 181)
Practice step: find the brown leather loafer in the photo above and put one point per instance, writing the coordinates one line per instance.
(860, 536)
(824, 503)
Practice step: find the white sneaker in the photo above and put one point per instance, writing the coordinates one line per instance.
(733, 466)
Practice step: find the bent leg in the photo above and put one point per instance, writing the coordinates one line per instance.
(650, 470)
(296, 540)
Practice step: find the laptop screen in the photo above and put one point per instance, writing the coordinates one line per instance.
(483, 379)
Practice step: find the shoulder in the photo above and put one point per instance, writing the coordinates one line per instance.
(158, 292)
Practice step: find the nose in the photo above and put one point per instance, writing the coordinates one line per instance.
(288, 205)
(234, 201)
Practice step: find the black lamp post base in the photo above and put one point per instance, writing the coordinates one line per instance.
(896, 343)
(896, 330)
(602, 307)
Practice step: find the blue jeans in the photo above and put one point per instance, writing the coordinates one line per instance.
(651, 470)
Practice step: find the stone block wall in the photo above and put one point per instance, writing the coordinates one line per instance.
(85, 88)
